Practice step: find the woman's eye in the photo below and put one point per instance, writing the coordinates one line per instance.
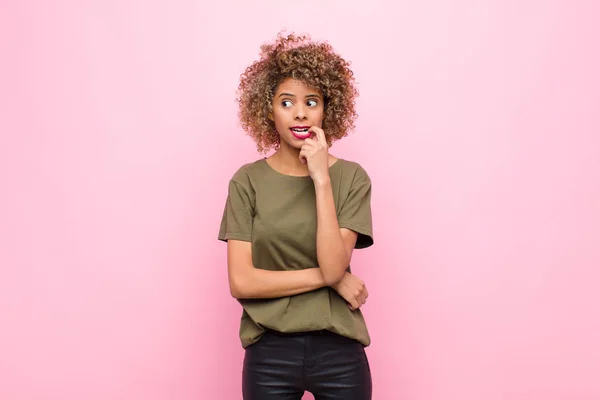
(286, 103)
(312, 103)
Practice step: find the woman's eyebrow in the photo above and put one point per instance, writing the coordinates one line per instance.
(293, 95)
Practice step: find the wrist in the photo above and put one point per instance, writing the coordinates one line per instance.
(336, 285)
(323, 182)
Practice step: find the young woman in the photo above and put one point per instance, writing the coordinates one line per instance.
(291, 222)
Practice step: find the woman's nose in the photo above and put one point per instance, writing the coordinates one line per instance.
(300, 113)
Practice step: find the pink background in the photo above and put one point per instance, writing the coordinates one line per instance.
(479, 125)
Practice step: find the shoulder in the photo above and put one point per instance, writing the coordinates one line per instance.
(354, 170)
(245, 173)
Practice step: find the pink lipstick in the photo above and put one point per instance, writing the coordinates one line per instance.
(301, 132)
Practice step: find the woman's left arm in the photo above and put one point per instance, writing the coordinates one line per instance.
(334, 245)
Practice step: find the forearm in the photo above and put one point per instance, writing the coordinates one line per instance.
(331, 250)
(262, 284)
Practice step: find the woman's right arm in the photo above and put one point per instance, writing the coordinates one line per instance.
(249, 282)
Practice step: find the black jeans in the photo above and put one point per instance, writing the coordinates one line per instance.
(283, 366)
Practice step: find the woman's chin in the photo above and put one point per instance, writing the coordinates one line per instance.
(293, 143)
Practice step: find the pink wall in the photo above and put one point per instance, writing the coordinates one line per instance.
(480, 129)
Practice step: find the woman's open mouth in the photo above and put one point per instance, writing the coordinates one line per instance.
(301, 132)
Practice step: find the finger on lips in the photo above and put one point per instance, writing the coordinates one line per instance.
(318, 133)
(321, 136)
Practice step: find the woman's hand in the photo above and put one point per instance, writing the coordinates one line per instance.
(315, 153)
(353, 290)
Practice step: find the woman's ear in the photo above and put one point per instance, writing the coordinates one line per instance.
(271, 116)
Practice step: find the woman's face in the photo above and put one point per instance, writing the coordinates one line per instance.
(296, 108)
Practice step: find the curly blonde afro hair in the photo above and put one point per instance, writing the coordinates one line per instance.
(316, 65)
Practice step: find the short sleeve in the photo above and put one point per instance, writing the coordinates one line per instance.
(236, 223)
(355, 212)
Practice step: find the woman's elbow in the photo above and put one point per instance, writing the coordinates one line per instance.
(235, 292)
(331, 278)
(238, 289)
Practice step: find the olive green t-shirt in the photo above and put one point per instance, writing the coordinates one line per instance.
(277, 214)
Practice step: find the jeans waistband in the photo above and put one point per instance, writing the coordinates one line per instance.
(321, 332)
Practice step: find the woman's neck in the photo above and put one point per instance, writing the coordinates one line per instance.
(287, 161)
